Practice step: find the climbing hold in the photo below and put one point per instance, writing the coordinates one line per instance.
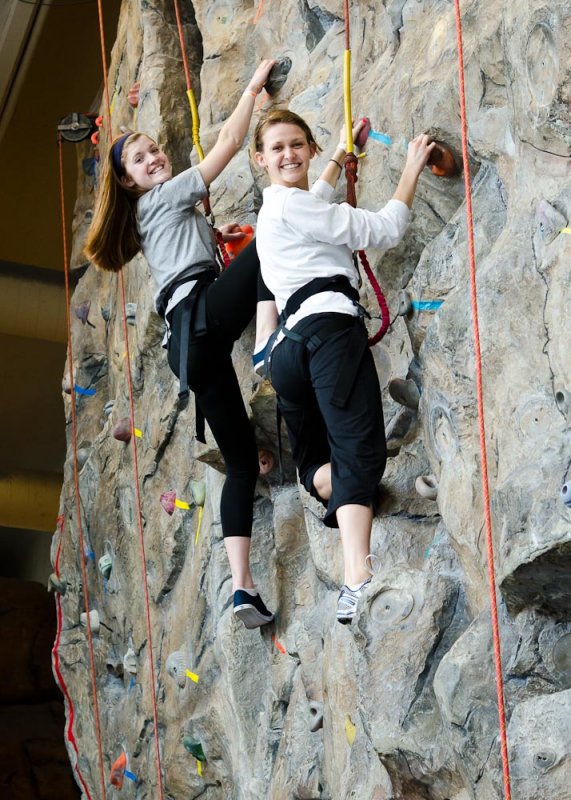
(194, 747)
(105, 565)
(131, 313)
(198, 489)
(105, 313)
(316, 715)
(238, 245)
(89, 166)
(350, 730)
(108, 407)
(563, 401)
(56, 584)
(427, 486)
(399, 428)
(279, 645)
(266, 461)
(83, 454)
(168, 502)
(363, 134)
(118, 771)
(404, 392)
(133, 94)
(82, 313)
(130, 662)
(566, 493)
(278, 75)
(76, 127)
(123, 430)
(176, 668)
(442, 162)
(405, 303)
(94, 623)
(549, 222)
(66, 384)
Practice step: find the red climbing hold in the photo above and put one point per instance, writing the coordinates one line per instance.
(123, 430)
(238, 245)
(168, 501)
(265, 461)
(133, 95)
(363, 134)
(118, 771)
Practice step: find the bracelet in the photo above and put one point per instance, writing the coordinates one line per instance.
(336, 162)
(252, 94)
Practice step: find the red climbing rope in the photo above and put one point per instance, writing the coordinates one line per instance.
(351, 163)
(481, 425)
(76, 479)
(134, 449)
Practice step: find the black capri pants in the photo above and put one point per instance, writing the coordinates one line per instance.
(230, 305)
(351, 438)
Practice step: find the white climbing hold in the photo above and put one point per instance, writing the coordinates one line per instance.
(94, 623)
(427, 486)
(176, 668)
(130, 662)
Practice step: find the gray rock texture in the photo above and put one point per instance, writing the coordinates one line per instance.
(402, 705)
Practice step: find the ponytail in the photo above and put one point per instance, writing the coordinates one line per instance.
(113, 236)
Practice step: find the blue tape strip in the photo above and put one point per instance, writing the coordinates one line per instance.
(90, 554)
(427, 305)
(131, 683)
(130, 776)
(86, 392)
(380, 137)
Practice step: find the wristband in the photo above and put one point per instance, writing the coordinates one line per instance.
(249, 92)
(336, 162)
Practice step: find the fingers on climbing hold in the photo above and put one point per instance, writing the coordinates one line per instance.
(133, 94)
(236, 247)
(363, 134)
(442, 161)
(315, 716)
(278, 75)
(427, 486)
(405, 392)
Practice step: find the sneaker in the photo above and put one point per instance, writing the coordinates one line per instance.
(347, 603)
(250, 608)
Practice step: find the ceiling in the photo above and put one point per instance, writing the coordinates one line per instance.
(50, 66)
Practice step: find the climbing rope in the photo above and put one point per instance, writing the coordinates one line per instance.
(134, 449)
(480, 402)
(76, 485)
(351, 163)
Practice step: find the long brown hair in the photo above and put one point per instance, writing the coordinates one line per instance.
(275, 118)
(113, 236)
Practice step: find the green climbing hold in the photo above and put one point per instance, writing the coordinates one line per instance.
(194, 748)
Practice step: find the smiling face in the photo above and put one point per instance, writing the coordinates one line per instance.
(286, 154)
(145, 164)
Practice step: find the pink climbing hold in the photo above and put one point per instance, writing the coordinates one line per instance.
(82, 313)
(168, 502)
(123, 430)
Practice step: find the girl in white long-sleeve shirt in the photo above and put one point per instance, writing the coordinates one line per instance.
(321, 368)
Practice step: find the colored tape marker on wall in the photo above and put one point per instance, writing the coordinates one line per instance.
(380, 137)
(192, 675)
(426, 305)
(81, 390)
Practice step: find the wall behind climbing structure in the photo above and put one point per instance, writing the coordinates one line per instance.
(406, 694)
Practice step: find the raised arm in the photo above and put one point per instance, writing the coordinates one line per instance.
(234, 130)
(334, 166)
(418, 153)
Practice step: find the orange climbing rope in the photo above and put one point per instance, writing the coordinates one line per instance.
(481, 425)
(134, 448)
(76, 480)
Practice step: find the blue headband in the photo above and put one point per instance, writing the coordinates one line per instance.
(117, 152)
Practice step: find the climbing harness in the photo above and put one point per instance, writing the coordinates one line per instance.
(351, 162)
(480, 404)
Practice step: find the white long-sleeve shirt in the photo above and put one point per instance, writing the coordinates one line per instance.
(301, 235)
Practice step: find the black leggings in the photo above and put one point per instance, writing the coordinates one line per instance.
(230, 304)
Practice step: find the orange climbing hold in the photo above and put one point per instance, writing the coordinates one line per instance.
(118, 771)
(442, 162)
(236, 247)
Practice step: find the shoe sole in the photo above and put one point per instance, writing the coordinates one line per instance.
(251, 617)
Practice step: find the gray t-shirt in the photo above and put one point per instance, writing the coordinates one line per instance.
(176, 239)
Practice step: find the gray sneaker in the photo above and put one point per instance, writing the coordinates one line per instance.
(347, 603)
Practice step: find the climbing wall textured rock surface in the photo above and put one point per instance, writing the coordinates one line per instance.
(402, 704)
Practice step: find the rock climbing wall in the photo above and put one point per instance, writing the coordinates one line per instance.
(402, 704)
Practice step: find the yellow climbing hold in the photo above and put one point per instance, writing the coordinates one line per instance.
(192, 675)
(350, 730)
(181, 504)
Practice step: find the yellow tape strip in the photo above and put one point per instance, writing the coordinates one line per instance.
(192, 675)
(200, 513)
(138, 433)
(350, 730)
(199, 768)
(181, 504)
(347, 99)
(565, 230)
